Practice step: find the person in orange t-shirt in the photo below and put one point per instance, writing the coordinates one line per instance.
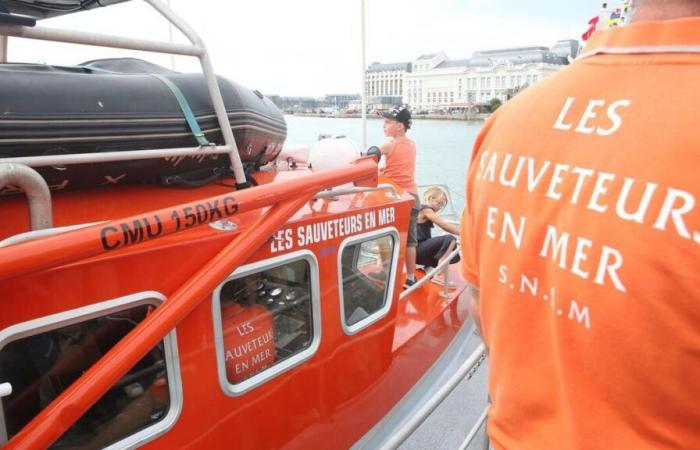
(581, 237)
(400, 154)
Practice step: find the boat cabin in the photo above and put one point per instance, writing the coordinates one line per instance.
(306, 342)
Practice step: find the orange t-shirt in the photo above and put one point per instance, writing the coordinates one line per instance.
(401, 164)
(582, 233)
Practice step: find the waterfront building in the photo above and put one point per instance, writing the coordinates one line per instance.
(435, 82)
(340, 101)
(386, 80)
(296, 104)
(382, 103)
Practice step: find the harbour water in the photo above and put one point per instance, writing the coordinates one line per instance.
(443, 147)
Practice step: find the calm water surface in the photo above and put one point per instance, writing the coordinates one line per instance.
(443, 147)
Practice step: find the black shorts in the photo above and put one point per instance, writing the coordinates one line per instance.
(429, 251)
(412, 240)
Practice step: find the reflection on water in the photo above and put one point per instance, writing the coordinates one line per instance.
(443, 146)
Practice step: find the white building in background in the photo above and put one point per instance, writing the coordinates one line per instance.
(437, 82)
(385, 82)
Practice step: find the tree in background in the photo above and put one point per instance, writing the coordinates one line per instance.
(495, 103)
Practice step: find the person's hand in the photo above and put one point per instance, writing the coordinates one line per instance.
(374, 151)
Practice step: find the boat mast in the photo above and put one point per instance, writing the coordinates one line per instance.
(170, 39)
(364, 65)
(3, 48)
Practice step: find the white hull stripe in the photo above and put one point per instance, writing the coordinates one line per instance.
(641, 50)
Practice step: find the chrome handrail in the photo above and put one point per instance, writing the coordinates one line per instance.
(86, 158)
(212, 85)
(3, 49)
(475, 430)
(434, 401)
(430, 275)
(34, 187)
(449, 192)
(356, 190)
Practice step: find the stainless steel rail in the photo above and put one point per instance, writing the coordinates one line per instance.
(433, 402)
(450, 202)
(475, 430)
(99, 40)
(430, 275)
(3, 49)
(85, 158)
(338, 192)
(36, 190)
(212, 85)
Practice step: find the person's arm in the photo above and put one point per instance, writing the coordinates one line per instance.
(386, 147)
(474, 311)
(469, 263)
(439, 221)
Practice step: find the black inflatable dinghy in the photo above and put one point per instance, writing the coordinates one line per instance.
(128, 104)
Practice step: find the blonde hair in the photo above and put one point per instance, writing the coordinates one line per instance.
(434, 192)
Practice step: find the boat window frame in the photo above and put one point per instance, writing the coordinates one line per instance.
(78, 315)
(262, 377)
(355, 328)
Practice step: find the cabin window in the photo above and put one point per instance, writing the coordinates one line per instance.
(367, 268)
(41, 358)
(267, 320)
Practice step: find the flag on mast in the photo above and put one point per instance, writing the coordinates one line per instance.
(593, 26)
(607, 18)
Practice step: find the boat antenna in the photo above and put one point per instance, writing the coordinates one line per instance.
(364, 75)
(3, 48)
(170, 39)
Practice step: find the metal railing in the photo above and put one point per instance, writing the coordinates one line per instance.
(465, 371)
(428, 276)
(357, 190)
(86, 158)
(36, 190)
(451, 213)
(196, 49)
(473, 433)
(3, 49)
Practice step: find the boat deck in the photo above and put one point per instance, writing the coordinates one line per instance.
(422, 308)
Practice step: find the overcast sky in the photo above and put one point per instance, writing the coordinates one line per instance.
(312, 47)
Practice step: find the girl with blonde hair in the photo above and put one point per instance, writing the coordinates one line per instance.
(431, 251)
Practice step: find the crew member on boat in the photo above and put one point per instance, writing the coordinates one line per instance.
(400, 154)
(582, 234)
(432, 251)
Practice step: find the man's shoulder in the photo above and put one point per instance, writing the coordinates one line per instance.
(404, 142)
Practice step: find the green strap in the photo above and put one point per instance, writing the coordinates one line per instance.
(186, 110)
